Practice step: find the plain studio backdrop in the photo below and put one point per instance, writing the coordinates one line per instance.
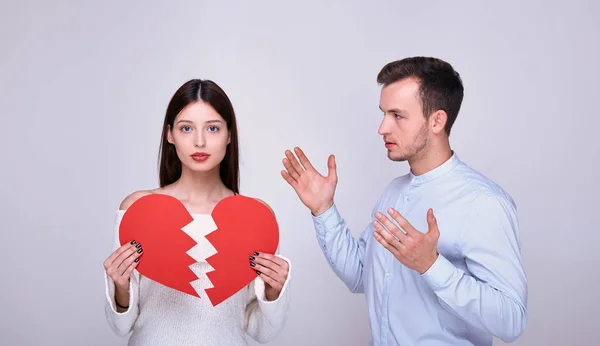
(84, 88)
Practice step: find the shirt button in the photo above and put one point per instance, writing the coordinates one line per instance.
(387, 274)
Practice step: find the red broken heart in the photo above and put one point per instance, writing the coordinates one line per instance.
(244, 225)
(155, 221)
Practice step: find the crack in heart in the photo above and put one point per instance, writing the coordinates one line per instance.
(156, 221)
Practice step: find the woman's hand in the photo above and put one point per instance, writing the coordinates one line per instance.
(273, 270)
(119, 266)
(121, 263)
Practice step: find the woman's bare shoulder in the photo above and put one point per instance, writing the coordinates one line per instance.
(265, 203)
(134, 196)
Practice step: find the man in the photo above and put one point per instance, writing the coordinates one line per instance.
(450, 271)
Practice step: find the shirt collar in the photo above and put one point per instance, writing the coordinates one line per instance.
(437, 172)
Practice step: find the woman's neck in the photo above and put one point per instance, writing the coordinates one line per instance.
(200, 188)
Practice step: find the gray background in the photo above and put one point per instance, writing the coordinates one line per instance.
(84, 87)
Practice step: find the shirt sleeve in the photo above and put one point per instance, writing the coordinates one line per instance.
(344, 253)
(492, 297)
(265, 319)
(121, 322)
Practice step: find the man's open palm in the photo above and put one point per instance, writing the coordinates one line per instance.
(315, 190)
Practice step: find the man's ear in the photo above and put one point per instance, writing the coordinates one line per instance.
(438, 121)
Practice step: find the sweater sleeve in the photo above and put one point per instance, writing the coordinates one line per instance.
(265, 319)
(121, 322)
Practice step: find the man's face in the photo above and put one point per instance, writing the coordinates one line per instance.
(404, 127)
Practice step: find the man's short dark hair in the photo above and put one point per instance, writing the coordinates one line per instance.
(440, 86)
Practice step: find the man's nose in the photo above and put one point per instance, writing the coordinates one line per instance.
(384, 127)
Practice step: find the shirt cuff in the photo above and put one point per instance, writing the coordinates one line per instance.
(438, 275)
(327, 220)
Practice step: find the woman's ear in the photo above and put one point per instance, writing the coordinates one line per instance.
(169, 134)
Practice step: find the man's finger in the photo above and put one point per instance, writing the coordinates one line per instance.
(294, 162)
(303, 159)
(432, 223)
(378, 236)
(396, 232)
(331, 167)
(287, 177)
(386, 236)
(290, 169)
(402, 222)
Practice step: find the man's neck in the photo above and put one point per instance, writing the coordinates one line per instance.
(431, 159)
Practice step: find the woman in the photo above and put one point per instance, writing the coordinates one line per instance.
(198, 166)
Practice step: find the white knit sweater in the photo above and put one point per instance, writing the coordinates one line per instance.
(159, 315)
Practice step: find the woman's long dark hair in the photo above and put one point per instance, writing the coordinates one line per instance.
(209, 92)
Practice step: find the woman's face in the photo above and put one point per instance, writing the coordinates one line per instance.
(200, 137)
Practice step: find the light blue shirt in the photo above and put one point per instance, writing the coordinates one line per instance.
(477, 287)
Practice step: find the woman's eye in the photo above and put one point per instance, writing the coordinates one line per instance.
(186, 128)
(213, 128)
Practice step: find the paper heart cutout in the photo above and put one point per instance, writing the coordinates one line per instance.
(156, 222)
(244, 226)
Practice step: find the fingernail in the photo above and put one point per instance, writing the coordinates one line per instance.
(391, 211)
(252, 264)
(138, 246)
(252, 258)
(137, 259)
(140, 251)
(257, 272)
(256, 254)
(132, 242)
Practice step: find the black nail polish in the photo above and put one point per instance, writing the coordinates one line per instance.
(256, 254)
(138, 246)
(252, 264)
(252, 258)
(132, 242)
(140, 251)
(257, 272)
(137, 259)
